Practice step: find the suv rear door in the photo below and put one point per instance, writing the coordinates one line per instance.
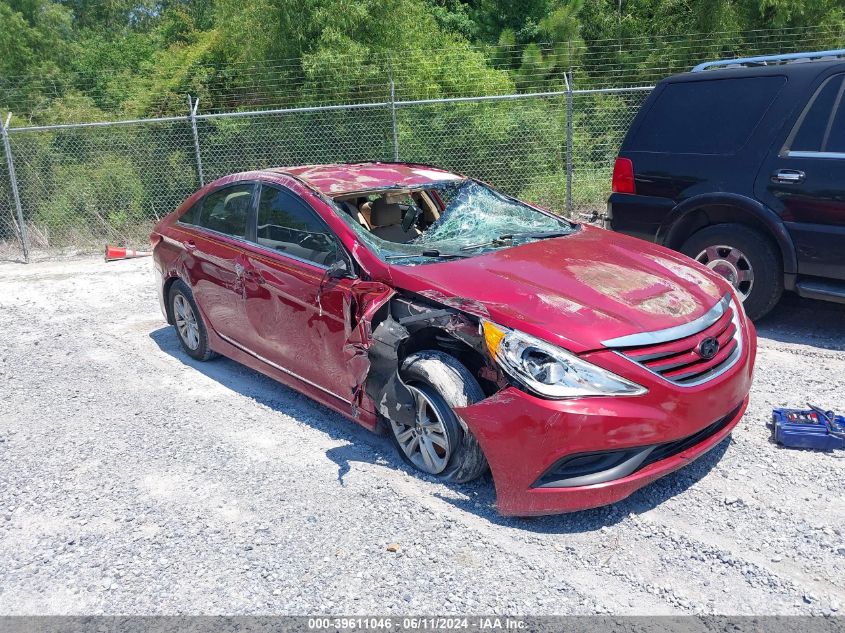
(803, 180)
(698, 134)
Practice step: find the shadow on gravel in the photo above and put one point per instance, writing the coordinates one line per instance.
(364, 446)
(805, 321)
(477, 498)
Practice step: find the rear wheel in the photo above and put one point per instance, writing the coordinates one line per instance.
(746, 258)
(188, 322)
(436, 442)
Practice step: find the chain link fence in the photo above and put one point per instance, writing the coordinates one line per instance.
(83, 185)
(10, 242)
(532, 133)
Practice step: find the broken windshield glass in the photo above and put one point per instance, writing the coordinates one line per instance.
(475, 213)
(471, 218)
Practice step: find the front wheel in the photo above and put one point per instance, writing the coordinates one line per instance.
(746, 258)
(436, 442)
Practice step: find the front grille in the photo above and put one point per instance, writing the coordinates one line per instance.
(683, 361)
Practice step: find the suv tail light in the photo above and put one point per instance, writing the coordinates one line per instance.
(623, 176)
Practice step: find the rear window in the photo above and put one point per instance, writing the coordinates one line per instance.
(706, 117)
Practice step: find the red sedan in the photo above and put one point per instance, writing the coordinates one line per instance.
(476, 330)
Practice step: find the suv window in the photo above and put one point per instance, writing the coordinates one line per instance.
(226, 210)
(288, 225)
(714, 116)
(821, 127)
(836, 140)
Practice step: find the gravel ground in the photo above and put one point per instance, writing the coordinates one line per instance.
(134, 480)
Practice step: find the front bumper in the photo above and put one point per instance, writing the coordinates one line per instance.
(524, 437)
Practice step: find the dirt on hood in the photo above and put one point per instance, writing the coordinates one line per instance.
(576, 290)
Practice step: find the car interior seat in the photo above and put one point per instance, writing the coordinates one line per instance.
(386, 220)
(364, 209)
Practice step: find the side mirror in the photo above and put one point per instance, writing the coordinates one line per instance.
(338, 270)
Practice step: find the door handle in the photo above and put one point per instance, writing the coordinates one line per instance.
(189, 244)
(788, 176)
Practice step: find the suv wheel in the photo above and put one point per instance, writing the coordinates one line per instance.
(746, 258)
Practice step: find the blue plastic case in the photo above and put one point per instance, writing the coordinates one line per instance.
(808, 428)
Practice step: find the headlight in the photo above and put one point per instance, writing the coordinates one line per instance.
(550, 371)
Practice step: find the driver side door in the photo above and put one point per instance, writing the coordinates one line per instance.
(296, 318)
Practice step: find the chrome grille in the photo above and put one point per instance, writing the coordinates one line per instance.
(690, 354)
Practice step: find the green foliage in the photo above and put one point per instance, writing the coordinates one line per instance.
(89, 60)
(105, 193)
(17, 40)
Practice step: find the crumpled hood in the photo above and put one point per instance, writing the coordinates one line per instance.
(574, 291)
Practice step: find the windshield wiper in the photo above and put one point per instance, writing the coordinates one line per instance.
(510, 237)
(427, 253)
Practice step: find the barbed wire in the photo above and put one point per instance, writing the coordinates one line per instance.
(88, 175)
(311, 80)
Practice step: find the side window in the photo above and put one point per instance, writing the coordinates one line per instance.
(288, 225)
(819, 128)
(836, 139)
(191, 216)
(226, 210)
(710, 116)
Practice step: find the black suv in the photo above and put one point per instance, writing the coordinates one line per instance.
(740, 164)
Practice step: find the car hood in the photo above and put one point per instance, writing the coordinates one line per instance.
(575, 291)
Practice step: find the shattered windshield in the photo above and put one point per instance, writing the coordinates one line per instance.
(446, 220)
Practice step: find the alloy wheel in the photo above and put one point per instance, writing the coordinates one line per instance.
(424, 441)
(732, 264)
(186, 322)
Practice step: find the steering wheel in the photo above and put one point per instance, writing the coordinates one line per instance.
(409, 218)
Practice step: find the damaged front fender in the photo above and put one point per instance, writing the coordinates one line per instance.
(385, 327)
(384, 386)
(412, 324)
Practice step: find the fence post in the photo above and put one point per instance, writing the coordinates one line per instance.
(192, 117)
(393, 119)
(13, 180)
(569, 111)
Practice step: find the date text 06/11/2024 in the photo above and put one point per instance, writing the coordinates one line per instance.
(431, 623)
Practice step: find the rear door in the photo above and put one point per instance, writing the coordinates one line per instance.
(803, 180)
(297, 318)
(698, 134)
(213, 234)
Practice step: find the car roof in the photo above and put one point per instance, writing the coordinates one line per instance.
(345, 178)
(793, 68)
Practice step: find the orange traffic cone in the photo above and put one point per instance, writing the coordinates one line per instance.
(115, 252)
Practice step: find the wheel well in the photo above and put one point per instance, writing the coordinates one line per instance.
(168, 310)
(700, 218)
(439, 339)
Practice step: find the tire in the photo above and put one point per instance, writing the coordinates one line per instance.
(760, 258)
(440, 384)
(194, 340)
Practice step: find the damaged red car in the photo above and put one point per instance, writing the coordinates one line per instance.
(477, 330)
